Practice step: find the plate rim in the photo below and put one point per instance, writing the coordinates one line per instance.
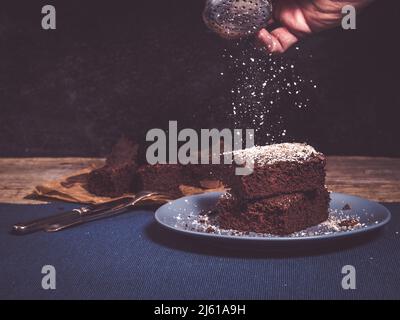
(338, 235)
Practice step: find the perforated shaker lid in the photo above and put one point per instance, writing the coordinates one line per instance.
(233, 19)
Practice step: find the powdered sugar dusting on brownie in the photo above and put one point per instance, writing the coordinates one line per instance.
(284, 152)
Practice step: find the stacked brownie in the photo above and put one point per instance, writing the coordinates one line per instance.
(284, 194)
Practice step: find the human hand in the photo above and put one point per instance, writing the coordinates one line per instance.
(299, 18)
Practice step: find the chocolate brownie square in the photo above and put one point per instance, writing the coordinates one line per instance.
(164, 178)
(280, 215)
(118, 175)
(278, 169)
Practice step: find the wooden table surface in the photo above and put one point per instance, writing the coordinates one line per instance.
(372, 178)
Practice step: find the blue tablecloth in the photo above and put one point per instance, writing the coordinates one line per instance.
(131, 257)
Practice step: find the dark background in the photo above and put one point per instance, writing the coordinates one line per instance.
(114, 68)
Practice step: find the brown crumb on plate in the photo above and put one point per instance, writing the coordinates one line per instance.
(346, 207)
(349, 223)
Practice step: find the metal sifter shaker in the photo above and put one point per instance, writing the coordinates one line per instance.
(234, 19)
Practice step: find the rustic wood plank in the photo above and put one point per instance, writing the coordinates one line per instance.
(372, 178)
(18, 176)
(368, 177)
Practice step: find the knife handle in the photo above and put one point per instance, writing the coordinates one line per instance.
(40, 224)
(75, 221)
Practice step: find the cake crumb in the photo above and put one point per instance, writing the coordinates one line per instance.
(210, 229)
(349, 223)
(346, 207)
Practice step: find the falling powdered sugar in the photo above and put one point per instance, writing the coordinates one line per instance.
(263, 86)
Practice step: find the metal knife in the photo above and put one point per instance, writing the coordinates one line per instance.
(112, 211)
(40, 224)
(86, 214)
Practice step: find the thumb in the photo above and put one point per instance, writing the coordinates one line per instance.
(278, 40)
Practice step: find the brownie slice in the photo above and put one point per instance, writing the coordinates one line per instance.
(165, 178)
(118, 175)
(280, 215)
(280, 168)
